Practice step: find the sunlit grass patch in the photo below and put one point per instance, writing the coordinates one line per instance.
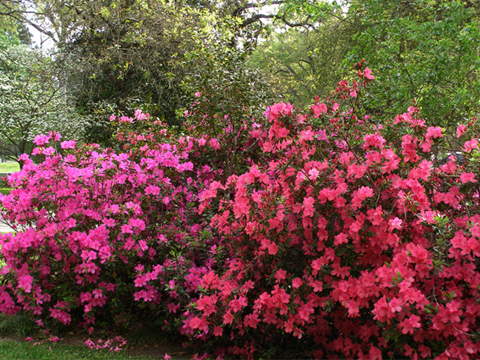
(9, 167)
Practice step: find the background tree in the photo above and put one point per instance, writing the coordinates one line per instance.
(422, 50)
(128, 57)
(13, 30)
(419, 50)
(124, 54)
(32, 100)
(302, 63)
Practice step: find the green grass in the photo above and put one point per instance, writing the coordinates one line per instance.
(9, 167)
(11, 349)
(14, 329)
(5, 191)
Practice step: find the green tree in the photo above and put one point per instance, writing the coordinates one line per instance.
(123, 54)
(32, 100)
(13, 30)
(422, 50)
(303, 63)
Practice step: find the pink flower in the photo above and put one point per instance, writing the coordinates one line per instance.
(409, 325)
(461, 130)
(48, 151)
(368, 74)
(279, 110)
(270, 246)
(395, 223)
(24, 157)
(126, 119)
(152, 190)
(25, 282)
(227, 318)
(319, 109)
(296, 283)
(54, 135)
(467, 177)
(41, 140)
(89, 343)
(341, 239)
(139, 115)
(317, 265)
(280, 275)
(313, 174)
(138, 223)
(470, 145)
(68, 144)
(126, 229)
(308, 209)
(215, 144)
(373, 140)
(360, 195)
(70, 158)
(434, 132)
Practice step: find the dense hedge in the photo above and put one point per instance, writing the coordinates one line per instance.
(315, 230)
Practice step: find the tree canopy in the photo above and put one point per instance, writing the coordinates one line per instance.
(118, 55)
(423, 51)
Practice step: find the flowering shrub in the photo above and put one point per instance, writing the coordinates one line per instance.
(230, 130)
(331, 233)
(99, 232)
(347, 242)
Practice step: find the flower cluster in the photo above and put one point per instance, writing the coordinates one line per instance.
(98, 231)
(319, 231)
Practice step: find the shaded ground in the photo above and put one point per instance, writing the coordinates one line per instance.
(73, 347)
(142, 343)
(147, 349)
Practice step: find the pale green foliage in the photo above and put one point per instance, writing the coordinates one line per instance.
(12, 29)
(32, 100)
(302, 64)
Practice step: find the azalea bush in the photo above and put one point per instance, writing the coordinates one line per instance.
(347, 243)
(331, 234)
(93, 227)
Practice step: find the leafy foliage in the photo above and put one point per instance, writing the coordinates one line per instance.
(13, 31)
(302, 64)
(128, 57)
(326, 238)
(423, 50)
(32, 100)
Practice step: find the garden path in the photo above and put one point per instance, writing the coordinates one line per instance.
(4, 227)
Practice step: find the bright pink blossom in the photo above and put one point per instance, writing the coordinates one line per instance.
(461, 130)
(467, 177)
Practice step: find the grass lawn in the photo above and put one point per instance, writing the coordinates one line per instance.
(141, 345)
(9, 167)
(11, 349)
